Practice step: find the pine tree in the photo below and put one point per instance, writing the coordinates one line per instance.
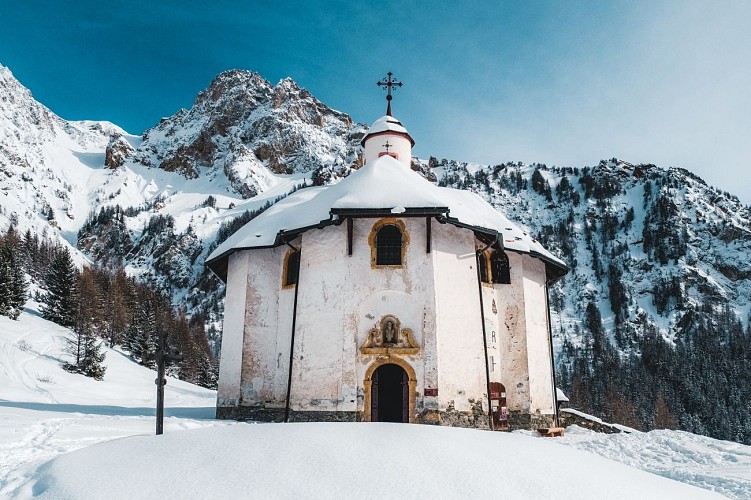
(664, 418)
(86, 350)
(61, 298)
(12, 280)
(13, 284)
(142, 334)
(208, 372)
(85, 346)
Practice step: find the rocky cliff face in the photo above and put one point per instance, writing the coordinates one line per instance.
(45, 161)
(241, 126)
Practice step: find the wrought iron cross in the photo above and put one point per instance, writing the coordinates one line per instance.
(388, 85)
(387, 146)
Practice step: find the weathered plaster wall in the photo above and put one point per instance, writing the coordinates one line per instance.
(492, 330)
(323, 355)
(512, 338)
(228, 392)
(459, 346)
(538, 340)
(341, 297)
(259, 364)
(408, 294)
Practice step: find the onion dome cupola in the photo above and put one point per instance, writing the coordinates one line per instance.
(387, 136)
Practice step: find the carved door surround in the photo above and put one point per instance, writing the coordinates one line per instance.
(386, 343)
(411, 382)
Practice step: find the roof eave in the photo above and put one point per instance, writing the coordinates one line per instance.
(390, 132)
(388, 212)
(554, 270)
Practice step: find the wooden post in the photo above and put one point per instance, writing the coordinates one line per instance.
(162, 356)
(160, 381)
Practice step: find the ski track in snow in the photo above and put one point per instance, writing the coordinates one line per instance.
(46, 411)
(29, 438)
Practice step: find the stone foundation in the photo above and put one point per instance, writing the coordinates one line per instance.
(475, 419)
(243, 413)
(529, 421)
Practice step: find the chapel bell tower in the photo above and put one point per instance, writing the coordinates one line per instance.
(387, 136)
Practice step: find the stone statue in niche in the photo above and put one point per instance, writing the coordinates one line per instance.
(389, 333)
(390, 337)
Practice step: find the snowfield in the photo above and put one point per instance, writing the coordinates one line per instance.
(60, 439)
(344, 460)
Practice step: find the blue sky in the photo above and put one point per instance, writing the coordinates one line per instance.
(564, 83)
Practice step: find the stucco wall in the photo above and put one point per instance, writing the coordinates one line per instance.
(538, 340)
(342, 297)
(323, 356)
(459, 346)
(492, 331)
(228, 392)
(259, 364)
(512, 338)
(398, 144)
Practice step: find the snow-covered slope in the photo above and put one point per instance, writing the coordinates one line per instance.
(50, 168)
(47, 414)
(242, 138)
(658, 298)
(46, 411)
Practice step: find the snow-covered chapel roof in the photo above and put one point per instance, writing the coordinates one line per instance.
(387, 124)
(381, 187)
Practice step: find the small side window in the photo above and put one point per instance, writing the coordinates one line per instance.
(291, 269)
(500, 268)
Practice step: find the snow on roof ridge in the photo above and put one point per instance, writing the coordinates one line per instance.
(383, 184)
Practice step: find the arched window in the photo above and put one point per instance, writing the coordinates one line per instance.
(500, 269)
(291, 269)
(388, 242)
(494, 267)
(389, 246)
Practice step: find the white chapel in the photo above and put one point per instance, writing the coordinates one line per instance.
(386, 298)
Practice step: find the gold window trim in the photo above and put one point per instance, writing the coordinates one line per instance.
(372, 242)
(488, 269)
(285, 265)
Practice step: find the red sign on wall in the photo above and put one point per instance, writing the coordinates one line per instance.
(431, 392)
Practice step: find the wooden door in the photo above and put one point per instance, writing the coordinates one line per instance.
(374, 398)
(498, 409)
(405, 397)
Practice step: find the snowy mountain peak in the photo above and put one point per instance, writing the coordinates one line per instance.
(21, 115)
(241, 125)
(233, 89)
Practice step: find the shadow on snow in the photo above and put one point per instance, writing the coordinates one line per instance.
(199, 413)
